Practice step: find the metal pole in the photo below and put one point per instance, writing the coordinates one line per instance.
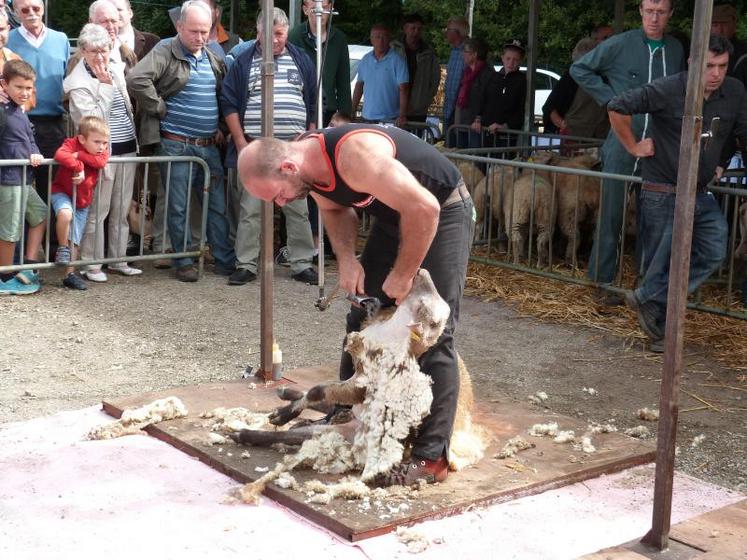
(235, 15)
(294, 13)
(534, 8)
(318, 11)
(470, 16)
(679, 273)
(268, 77)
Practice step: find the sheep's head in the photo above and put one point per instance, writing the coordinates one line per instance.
(429, 313)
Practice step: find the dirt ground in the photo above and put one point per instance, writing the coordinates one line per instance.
(64, 350)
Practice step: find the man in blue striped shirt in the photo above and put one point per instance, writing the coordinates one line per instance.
(456, 34)
(294, 102)
(176, 87)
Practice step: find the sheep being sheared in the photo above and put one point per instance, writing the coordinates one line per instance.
(392, 395)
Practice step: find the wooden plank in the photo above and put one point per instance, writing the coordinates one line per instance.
(722, 533)
(545, 467)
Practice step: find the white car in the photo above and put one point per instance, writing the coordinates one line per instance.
(357, 52)
(544, 82)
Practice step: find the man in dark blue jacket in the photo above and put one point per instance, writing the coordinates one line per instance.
(295, 106)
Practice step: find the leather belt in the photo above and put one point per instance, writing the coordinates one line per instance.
(459, 194)
(207, 141)
(660, 188)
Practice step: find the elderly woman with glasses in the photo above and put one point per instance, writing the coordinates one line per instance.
(96, 87)
(473, 92)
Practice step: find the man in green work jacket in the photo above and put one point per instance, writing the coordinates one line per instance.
(622, 62)
(336, 65)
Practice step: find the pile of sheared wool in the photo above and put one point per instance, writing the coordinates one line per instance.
(540, 430)
(640, 432)
(647, 414)
(133, 420)
(514, 446)
(416, 542)
(232, 420)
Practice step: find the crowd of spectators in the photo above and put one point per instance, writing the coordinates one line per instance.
(198, 93)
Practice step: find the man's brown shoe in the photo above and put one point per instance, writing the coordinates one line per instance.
(186, 273)
(408, 473)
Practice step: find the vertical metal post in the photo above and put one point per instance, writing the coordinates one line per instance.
(679, 273)
(235, 15)
(318, 12)
(534, 8)
(470, 16)
(294, 13)
(267, 237)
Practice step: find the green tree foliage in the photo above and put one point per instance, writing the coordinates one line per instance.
(562, 22)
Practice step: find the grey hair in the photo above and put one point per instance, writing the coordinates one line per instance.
(93, 36)
(201, 4)
(278, 18)
(94, 7)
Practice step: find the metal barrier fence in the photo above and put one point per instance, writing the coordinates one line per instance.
(507, 140)
(198, 253)
(521, 204)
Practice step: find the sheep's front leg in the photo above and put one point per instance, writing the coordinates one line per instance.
(320, 397)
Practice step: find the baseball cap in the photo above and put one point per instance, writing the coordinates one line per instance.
(515, 44)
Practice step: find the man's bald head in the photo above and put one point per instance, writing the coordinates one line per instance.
(260, 164)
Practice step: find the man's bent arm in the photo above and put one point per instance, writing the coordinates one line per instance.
(622, 125)
(366, 162)
(341, 224)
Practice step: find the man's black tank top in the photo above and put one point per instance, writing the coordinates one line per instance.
(429, 166)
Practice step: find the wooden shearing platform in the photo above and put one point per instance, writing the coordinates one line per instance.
(548, 465)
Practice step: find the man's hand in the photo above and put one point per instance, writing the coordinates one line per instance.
(36, 159)
(397, 287)
(220, 139)
(643, 149)
(495, 127)
(78, 178)
(719, 173)
(351, 276)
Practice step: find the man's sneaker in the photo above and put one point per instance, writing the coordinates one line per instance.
(62, 256)
(186, 273)
(283, 257)
(307, 276)
(96, 275)
(74, 282)
(408, 473)
(649, 316)
(241, 276)
(15, 287)
(28, 276)
(124, 269)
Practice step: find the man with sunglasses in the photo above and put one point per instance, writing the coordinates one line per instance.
(47, 51)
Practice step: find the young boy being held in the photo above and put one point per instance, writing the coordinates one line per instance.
(80, 158)
(16, 182)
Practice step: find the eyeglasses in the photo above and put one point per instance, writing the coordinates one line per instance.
(26, 10)
(651, 13)
(447, 29)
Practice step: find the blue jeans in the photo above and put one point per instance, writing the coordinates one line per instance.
(178, 195)
(708, 245)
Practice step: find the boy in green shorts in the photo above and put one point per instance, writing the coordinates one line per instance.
(18, 199)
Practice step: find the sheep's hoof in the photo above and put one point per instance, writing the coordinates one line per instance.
(289, 393)
(284, 414)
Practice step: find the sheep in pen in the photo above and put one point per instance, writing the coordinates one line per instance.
(390, 397)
